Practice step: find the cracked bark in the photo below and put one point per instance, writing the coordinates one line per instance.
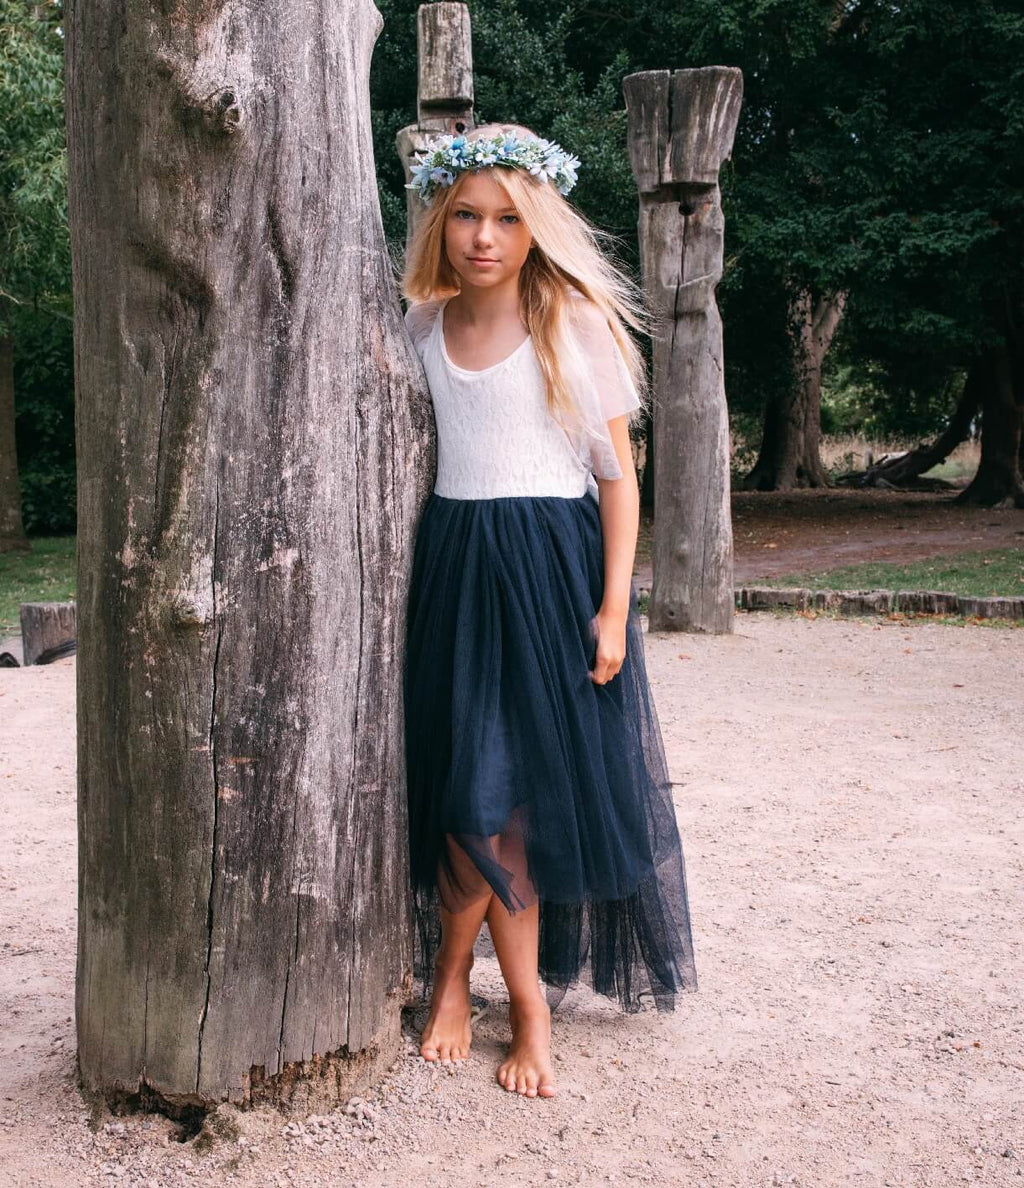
(681, 129)
(255, 443)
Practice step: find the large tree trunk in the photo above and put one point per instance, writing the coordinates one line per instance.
(790, 446)
(998, 480)
(681, 129)
(253, 448)
(12, 531)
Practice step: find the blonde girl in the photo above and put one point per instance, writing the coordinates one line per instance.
(539, 798)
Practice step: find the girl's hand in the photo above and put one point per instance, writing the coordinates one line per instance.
(611, 645)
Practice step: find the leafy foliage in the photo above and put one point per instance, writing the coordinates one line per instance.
(35, 255)
(880, 151)
(35, 261)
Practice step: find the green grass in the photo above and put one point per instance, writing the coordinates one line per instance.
(47, 574)
(44, 574)
(988, 573)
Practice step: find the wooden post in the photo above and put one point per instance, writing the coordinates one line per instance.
(254, 445)
(47, 630)
(681, 129)
(444, 91)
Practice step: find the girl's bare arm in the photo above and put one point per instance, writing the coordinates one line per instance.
(620, 523)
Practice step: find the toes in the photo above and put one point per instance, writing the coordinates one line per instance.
(546, 1089)
(531, 1084)
(428, 1052)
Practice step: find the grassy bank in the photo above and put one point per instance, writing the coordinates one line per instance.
(44, 574)
(987, 573)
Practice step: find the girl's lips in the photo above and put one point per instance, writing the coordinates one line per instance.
(481, 260)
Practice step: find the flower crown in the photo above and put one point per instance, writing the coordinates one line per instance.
(448, 155)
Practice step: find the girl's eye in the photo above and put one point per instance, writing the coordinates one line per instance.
(469, 215)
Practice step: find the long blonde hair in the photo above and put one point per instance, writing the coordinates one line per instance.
(566, 253)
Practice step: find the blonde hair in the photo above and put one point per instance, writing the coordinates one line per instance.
(566, 253)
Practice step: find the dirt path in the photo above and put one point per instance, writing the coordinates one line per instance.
(802, 531)
(849, 796)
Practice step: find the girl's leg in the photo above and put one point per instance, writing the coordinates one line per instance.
(447, 1034)
(528, 1067)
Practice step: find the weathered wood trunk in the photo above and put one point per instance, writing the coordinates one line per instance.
(444, 89)
(681, 129)
(790, 454)
(12, 531)
(253, 448)
(47, 629)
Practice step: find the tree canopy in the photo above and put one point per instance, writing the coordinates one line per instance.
(879, 154)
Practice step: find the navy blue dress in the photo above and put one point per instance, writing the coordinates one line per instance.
(525, 778)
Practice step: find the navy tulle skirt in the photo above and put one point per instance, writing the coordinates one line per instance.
(524, 777)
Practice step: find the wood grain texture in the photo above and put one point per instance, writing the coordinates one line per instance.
(45, 626)
(444, 96)
(444, 54)
(680, 129)
(254, 445)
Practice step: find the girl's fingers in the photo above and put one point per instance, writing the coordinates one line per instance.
(603, 672)
(605, 666)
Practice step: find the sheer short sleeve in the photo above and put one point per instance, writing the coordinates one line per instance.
(601, 383)
(419, 321)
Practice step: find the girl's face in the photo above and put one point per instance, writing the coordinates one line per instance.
(486, 241)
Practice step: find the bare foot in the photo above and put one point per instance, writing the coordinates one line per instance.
(528, 1067)
(447, 1035)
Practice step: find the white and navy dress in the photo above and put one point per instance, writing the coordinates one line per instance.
(524, 777)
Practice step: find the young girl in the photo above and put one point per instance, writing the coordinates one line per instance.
(539, 798)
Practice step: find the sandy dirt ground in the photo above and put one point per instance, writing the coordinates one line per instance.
(849, 796)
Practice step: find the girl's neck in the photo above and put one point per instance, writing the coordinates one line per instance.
(485, 307)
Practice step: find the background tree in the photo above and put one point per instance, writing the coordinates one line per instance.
(36, 429)
(876, 172)
(940, 109)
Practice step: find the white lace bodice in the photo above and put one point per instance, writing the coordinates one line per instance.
(495, 435)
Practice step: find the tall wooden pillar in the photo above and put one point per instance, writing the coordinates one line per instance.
(253, 448)
(444, 91)
(681, 129)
